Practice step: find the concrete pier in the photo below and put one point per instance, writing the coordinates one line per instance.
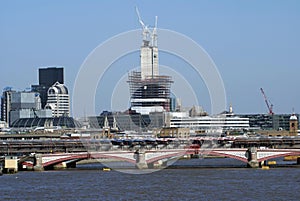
(251, 154)
(38, 166)
(10, 164)
(140, 159)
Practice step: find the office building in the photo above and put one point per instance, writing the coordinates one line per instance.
(47, 77)
(58, 100)
(269, 121)
(20, 104)
(207, 124)
(6, 104)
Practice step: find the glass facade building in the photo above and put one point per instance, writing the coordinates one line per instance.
(48, 77)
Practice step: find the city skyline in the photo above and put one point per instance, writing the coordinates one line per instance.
(253, 44)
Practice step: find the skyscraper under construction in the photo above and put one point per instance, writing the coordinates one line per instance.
(150, 92)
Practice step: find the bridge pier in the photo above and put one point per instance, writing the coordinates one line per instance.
(140, 157)
(10, 164)
(251, 155)
(38, 165)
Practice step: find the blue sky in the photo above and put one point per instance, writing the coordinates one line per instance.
(253, 43)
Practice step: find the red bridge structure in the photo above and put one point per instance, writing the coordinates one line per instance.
(143, 158)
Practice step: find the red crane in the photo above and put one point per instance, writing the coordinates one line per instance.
(268, 103)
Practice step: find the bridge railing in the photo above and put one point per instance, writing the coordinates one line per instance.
(25, 147)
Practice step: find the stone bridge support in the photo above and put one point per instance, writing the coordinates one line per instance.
(143, 160)
(251, 155)
(140, 157)
(10, 164)
(38, 162)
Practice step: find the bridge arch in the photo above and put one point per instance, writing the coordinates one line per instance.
(64, 159)
(229, 155)
(166, 157)
(152, 156)
(278, 156)
(80, 156)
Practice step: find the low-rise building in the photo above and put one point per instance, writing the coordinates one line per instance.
(292, 131)
(209, 124)
(269, 121)
(170, 132)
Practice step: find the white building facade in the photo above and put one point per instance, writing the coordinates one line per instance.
(58, 100)
(209, 123)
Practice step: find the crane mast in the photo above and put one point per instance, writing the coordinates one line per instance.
(268, 103)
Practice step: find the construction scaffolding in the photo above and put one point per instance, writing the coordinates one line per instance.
(152, 91)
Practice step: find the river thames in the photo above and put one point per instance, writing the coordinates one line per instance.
(183, 181)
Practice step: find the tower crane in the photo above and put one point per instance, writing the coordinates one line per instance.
(148, 33)
(268, 103)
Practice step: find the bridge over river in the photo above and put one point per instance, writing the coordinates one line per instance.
(147, 153)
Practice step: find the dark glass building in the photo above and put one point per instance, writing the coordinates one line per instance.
(48, 77)
(128, 121)
(268, 121)
(51, 75)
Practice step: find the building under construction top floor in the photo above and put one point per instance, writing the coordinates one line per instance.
(150, 94)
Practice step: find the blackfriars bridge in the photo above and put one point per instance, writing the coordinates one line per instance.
(43, 155)
(144, 159)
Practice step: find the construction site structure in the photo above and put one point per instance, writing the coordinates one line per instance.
(150, 92)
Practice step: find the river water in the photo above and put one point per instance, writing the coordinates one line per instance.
(183, 181)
